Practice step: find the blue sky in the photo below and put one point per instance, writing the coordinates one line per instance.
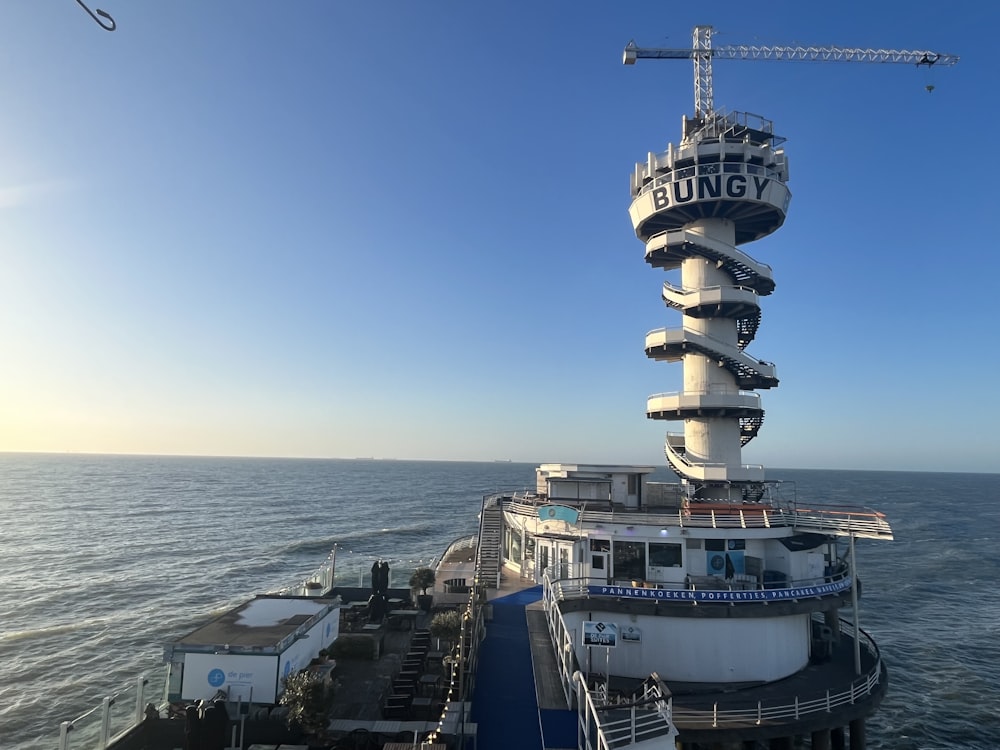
(399, 229)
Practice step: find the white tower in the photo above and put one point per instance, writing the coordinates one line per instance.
(693, 206)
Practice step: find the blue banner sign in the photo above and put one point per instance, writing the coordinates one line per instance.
(686, 595)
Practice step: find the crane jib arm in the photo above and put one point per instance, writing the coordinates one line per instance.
(702, 53)
(824, 54)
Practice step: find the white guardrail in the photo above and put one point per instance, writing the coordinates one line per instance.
(115, 715)
(841, 521)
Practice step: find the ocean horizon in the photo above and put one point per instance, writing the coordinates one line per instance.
(109, 557)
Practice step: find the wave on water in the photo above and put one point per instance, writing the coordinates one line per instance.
(48, 631)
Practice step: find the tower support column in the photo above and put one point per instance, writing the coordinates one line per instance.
(858, 741)
(821, 740)
(837, 738)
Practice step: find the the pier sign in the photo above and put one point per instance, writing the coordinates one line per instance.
(600, 634)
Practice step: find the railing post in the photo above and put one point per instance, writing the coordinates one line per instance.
(633, 724)
(828, 710)
(715, 715)
(758, 713)
(140, 706)
(796, 708)
(105, 731)
(64, 728)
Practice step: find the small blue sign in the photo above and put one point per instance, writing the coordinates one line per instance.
(216, 678)
(558, 513)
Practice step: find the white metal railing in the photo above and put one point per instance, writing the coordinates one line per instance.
(715, 346)
(319, 581)
(562, 639)
(710, 249)
(605, 725)
(800, 706)
(709, 390)
(117, 714)
(837, 520)
(601, 724)
(707, 169)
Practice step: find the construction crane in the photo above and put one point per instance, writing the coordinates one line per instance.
(702, 53)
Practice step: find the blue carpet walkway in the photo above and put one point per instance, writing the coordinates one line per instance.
(504, 704)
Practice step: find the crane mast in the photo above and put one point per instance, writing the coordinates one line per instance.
(702, 52)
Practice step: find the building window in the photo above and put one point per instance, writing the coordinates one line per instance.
(665, 555)
(600, 545)
(630, 560)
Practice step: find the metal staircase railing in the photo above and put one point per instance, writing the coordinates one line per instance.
(750, 373)
(669, 247)
(749, 427)
(488, 547)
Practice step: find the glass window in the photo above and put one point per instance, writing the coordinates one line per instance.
(630, 560)
(665, 555)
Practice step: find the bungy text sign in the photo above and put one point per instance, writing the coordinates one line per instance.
(686, 595)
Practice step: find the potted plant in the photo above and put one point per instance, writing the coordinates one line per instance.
(447, 626)
(423, 579)
(308, 701)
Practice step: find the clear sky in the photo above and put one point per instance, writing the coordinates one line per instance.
(399, 229)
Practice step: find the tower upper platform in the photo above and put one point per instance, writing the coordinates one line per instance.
(726, 167)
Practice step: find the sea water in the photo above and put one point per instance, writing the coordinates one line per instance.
(105, 559)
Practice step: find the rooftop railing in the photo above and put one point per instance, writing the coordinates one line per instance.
(835, 520)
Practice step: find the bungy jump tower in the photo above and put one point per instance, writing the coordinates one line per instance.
(719, 611)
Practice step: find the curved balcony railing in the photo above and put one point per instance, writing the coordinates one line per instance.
(835, 520)
(731, 712)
